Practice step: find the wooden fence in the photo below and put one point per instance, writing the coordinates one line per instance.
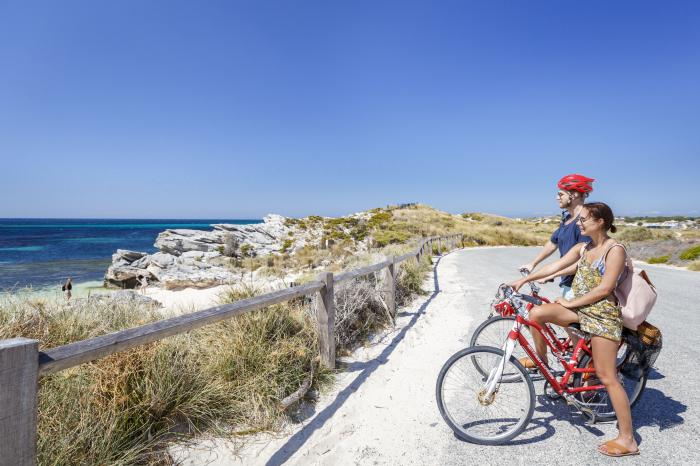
(21, 362)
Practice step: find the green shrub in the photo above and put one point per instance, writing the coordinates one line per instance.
(359, 232)
(379, 219)
(286, 245)
(347, 222)
(658, 260)
(247, 250)
(473, 216)
(385, 237)
(691, 253)
(636, 234)
(410, 279)
(643, 234)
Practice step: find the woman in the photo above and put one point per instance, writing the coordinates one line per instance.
(599, 268)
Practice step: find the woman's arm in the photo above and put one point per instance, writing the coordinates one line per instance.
(570, 270)
(569, 259)
(614, 264)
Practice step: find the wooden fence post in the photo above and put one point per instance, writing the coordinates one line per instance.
(326, 321)
(19, 372)
(389, 286)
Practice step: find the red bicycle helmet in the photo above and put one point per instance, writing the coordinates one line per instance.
(576, 182)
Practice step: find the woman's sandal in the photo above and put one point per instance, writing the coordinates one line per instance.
(527, 363)
(614, 449)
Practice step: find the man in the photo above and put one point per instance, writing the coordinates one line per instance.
(573, 191)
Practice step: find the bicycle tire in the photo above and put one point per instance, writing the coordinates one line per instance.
(493, 332)
(525, 407)
(599, 401)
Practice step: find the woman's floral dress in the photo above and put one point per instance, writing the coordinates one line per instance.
(602, 318)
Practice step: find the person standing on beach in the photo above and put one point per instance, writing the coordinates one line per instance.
(143, 283)
(67, 287)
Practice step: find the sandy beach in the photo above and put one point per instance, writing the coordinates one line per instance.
(186, 300)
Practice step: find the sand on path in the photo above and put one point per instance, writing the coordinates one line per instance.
(364, 415)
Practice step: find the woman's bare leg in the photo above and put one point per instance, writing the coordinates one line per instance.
(604, 361)
(553, 313)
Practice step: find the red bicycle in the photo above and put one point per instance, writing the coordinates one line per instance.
(494, 330)
(486, 396)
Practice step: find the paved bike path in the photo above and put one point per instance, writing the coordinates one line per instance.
(383, 411)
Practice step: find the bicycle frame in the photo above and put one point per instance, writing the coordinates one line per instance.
(504, 308)
(560, 386)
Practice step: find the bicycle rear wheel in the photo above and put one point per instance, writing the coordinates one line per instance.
(598, 401)
(474, 417)
(493, 332)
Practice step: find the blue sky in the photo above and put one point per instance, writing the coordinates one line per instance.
(233, 109)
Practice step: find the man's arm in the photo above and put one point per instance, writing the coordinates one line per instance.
(570, 270)
(568, 260)
(547, 251)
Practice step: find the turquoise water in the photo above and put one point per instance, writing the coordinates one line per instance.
(44, 252)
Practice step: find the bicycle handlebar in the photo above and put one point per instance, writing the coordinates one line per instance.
(533, 286)
(509, 293)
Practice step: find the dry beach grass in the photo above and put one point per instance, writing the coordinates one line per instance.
(224, 379)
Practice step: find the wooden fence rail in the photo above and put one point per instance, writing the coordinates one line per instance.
(21, 362)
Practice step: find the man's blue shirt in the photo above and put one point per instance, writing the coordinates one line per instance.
(566, 237)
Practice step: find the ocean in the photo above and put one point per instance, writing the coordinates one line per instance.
(41, 253)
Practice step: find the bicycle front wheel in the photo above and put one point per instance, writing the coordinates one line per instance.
(475, 417)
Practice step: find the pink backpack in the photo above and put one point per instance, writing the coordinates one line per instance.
(635, 294)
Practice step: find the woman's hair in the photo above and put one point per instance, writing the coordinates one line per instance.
(600, 210)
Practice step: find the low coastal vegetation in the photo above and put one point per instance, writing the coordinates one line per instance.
(226, 379)
(658, 260)
(691, 253)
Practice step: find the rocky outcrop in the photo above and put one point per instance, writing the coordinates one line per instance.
(190, 269)
(126, 268)
(260, 238)
(198, 258)
(177, 241)
(193, 258)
